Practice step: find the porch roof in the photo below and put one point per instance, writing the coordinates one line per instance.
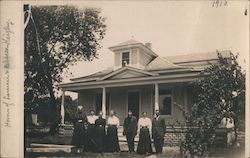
(182, 77)
(181, 68)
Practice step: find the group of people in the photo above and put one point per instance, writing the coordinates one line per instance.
(96, 134)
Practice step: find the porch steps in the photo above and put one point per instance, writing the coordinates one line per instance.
(241, 136)
(122, 138)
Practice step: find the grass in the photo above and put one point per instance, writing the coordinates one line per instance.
(170, 152)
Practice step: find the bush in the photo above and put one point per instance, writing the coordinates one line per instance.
(218, 95)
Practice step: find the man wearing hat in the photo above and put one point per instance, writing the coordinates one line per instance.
(130, 130)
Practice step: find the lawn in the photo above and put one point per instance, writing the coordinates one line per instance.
(170, 152)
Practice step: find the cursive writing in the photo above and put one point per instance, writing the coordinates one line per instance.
(6, 100)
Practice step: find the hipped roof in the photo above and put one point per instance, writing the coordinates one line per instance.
(169, 63)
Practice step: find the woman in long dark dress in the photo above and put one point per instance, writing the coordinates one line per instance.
(91, 144)
(145, 126)
(79, 133)
(100, 124)
(112, 135)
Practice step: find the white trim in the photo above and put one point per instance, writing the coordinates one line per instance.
(81, 86)
(129, 59)
(157, 97)
(85, 79)
(104, 101)
(127, 68)
(151, 79)
(114, 62)
(95, 100)
(138, 58)
(136, 45)
(62, 110)
(174, 70)
(120, 55)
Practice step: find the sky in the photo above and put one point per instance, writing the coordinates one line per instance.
(172, 27)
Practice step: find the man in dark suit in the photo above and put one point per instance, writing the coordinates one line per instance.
(158, 131)
(130, 130)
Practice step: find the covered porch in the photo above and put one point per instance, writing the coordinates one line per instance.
(172, 99)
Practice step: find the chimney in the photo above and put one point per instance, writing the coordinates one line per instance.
(148, 45)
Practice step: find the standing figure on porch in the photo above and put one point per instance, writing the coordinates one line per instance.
(79, 133)
(130, 130)
(144, 126)
(100, 124)
(158, 131)
(112, 135)
(91, 144)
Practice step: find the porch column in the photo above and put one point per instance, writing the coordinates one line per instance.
(62, 108)
(156, 96)
(104, 101)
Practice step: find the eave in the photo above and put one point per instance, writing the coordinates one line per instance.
(127, 68)
(177, 78)
(136, 45)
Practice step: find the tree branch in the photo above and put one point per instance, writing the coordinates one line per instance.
(52, 47)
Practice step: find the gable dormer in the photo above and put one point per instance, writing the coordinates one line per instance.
(132, 53)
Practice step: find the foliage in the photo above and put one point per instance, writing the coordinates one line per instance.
(70, 106)
(56, 37)
(219, 94)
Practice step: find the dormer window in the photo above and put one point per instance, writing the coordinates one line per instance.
(125, 58)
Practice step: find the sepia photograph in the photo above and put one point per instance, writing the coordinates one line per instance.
(133, 78)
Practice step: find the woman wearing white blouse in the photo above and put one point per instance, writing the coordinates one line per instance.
(112, 136)
(144, 127)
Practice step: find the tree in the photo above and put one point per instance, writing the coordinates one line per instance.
(219, 94)
(70, 107)
(56, 37)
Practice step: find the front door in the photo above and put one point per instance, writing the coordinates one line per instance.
(134, 103)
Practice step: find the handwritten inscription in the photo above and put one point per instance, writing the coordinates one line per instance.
(219, 3)
(6, 100)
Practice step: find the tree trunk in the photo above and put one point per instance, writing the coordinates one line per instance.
(55, 120)
(235, 131)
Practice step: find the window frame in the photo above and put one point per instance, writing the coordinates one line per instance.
(167, 95)
(129, 57)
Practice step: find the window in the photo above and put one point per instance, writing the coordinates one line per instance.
(125, 58)
(165, 102)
